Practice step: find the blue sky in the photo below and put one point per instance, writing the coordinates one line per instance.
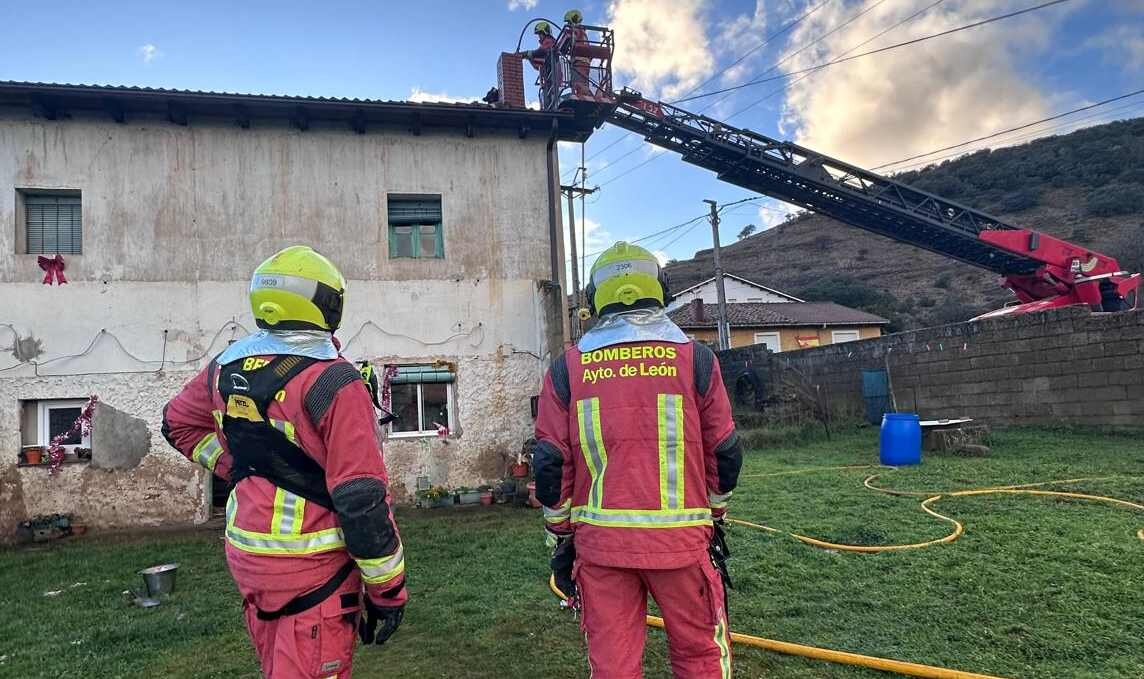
(869, 111)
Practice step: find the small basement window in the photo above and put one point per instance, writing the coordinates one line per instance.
(421, 400)
(415, 227)
(53, 222)
(43, 420)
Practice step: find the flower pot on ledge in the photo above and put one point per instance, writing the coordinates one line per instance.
(33, 454)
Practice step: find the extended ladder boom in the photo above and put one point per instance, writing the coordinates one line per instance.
(1042, 271)
(820, 183)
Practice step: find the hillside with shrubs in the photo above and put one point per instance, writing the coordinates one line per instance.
(1086, 187)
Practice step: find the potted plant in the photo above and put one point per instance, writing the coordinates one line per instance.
(438, 496)
(468, 496)
(83, 453)
(486, 495)
(33, 454)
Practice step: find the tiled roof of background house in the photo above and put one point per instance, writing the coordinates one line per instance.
(774, 314)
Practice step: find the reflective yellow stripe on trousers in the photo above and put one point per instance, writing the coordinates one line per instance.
(276, 543)
(672, 513)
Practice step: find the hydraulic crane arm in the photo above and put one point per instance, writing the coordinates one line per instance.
(1042, 271)
(809, 179)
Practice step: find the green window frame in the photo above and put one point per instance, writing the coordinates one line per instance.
(416, 228)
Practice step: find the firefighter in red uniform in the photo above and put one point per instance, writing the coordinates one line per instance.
(544, 60)
(310, 536)
(636, 458)
(573, 20)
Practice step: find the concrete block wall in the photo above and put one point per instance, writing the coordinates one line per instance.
(1063, 366)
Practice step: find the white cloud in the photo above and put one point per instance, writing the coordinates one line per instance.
(774, 212)
(1122, 46)
(514, 5)
(740, 35)
(419, 95)
(661, 45)
(149, 53)
(891, 105)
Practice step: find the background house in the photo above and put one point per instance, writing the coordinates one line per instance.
(161, 203)
(781, 326)
(736, 288)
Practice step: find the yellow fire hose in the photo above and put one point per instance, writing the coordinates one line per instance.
(886, 664)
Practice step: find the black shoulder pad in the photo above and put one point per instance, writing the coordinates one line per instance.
(322, 392)
(703, 362)
(560, 380)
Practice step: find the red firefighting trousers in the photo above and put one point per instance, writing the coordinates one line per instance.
(315, 644)
(614, 602)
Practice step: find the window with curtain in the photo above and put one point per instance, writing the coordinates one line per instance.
(415, 227)
(52, 223)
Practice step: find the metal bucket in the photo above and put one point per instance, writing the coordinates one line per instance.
(159, 580)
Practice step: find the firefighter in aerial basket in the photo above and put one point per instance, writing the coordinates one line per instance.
(545, 61)
(310, 536)
(636, 459)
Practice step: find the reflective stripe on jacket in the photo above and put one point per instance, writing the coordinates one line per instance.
(638, 445)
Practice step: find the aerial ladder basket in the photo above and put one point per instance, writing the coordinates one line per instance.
(577, 74)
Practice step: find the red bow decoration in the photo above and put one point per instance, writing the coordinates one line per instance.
(53, 269)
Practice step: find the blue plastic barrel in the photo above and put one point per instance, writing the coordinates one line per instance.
(900, 442)
(876, 394)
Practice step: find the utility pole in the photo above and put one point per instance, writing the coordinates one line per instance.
(570, 193)
(724, 330)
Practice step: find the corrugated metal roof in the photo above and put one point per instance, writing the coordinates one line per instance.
(123, 102)
(96, 88)
(775, 314)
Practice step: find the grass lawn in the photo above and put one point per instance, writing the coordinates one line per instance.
(1037, 587)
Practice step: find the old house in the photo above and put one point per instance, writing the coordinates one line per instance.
(757, 314)
(160, 203)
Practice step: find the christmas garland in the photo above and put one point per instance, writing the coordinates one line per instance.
(82, 425)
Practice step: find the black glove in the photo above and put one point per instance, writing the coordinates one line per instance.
(563, 556)
(378, 623)
(719, 552)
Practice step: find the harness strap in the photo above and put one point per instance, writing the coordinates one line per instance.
(312, 598)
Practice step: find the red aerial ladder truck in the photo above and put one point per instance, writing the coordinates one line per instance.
(1043, 272)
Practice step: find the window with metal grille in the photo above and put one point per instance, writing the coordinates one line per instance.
(53, 223)
(415, 227)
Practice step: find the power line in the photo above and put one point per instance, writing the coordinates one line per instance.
(649, 236)
(1014, 129)
(860, 45)
(723, 70)
(887, 48)
(1037, 134)
(772, 67)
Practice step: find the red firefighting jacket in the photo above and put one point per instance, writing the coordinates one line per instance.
(277, 541)
(537, 56)
(635, 450)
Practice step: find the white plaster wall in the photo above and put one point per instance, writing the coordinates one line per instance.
(174, 220)
(164, 488)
